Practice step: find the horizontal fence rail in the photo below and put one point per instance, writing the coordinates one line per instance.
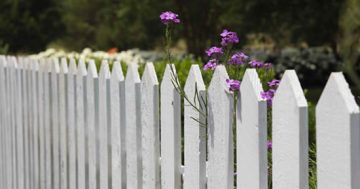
(64, 125)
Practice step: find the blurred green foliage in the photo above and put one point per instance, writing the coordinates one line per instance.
(101, 24)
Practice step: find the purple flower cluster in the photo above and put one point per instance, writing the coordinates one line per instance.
(214, 50)
(269, 145)
(238, 58)
(274, 83)
(232, 84)
(256, 64)
(169, 17)
(210, 65)
(268, 96)
(228, 37)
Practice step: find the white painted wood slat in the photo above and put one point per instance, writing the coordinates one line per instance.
(41, 106)
(170, 109)
(35, 82)
(102, 128)
(63, 124)
(220, 142)
(251, 132)
(80, 124)
(290, 135)
(150, 124)
(117, 124)
(133, 128)
(195, 131)
(337, 136)
(91, 80)
(71, 99)
(55, 69)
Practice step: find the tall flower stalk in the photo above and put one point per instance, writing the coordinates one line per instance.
(169, 19)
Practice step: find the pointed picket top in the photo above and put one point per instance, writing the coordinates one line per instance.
(194, 131)
(290, 84)
(64, 66)
(217, 82)
(220, 142)
(335, 88)
(55, 67)
(72, 66)
(337, 136)
(92, 72)
(81, 68)
(104, 70)
(168, 78)
(289, 134)
(117, 73)
(35, 64)
(194, 79)
(149, 77)
(251, 81)
(132, 75)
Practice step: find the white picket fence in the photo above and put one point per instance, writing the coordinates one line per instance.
(65, 126)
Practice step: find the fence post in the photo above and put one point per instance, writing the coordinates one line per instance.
(195, 131)
(133, 128)
(41, 101)
(170, 130)
(150, 128)
(290, 135)
(337, 136)
(220, 128)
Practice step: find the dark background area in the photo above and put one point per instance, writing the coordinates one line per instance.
(314, 37)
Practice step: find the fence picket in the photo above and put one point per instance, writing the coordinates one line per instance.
(91, 85)
(35, 93)
(150, 128)
(27, 119)
(7, 127)
(290, 135)
(170, 131)
(117, 124)
(41, 126)
(104, 76)
(19, 128)
(12, 125)
(80, 125)
(47, 87)
(63, 123)
(71, 99)
(337, 136)
(195, 131)
(220, 147)
(3, 123)
(55, 69)
(251, 133)
(133, 128)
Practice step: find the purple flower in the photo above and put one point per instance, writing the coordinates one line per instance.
(274, 83)
(256, 64)
(269, 144)
(210, 65)
(268, 96)
(238, 58)
(214, 50)
(169, 17)
(228, 37)
(234, 85)
(267, 65)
